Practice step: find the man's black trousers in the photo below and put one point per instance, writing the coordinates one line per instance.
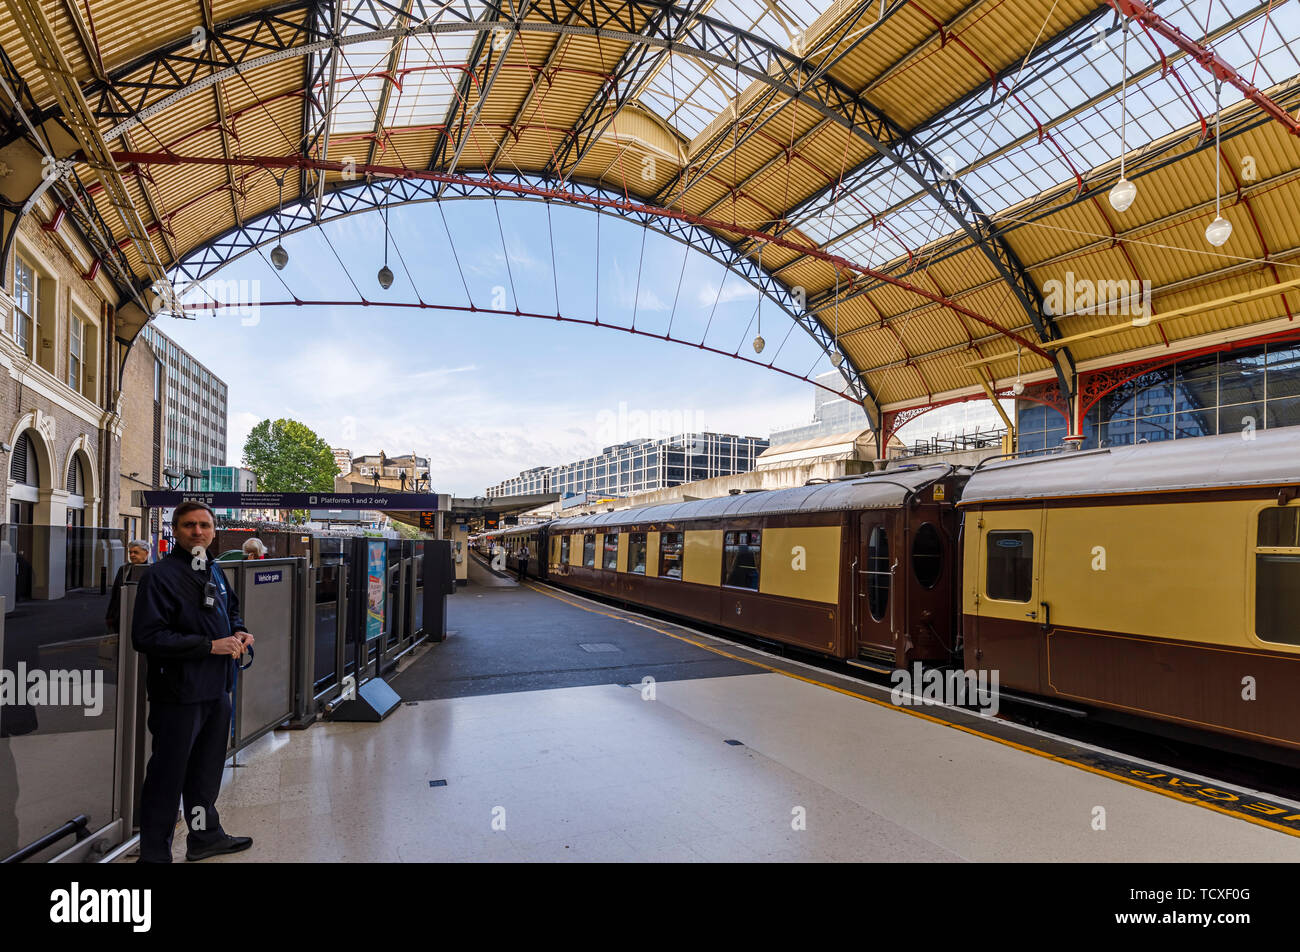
(189, 750)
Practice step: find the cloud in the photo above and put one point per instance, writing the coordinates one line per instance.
(630, 297)
(733, 290)
(238, 426)
(520, 256)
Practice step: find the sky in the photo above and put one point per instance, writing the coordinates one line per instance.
(487, 396)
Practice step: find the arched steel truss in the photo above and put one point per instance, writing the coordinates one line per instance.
(270, 35)
(365, 196)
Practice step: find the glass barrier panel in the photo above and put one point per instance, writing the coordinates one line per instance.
(58, 686)
(326, 625)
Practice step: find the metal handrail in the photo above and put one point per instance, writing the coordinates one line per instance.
(1055, 450)
(77, 825)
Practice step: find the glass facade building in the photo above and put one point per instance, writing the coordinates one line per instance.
(1257, 387)
(641, 466)
(196, 407)
(832, 414)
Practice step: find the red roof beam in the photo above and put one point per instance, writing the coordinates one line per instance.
(1209, 60)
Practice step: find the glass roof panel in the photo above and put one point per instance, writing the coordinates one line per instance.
(428, 69)
(429, 74)
(689, 95)
(1071, 91)
(357, 88)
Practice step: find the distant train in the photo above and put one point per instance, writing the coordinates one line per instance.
(1161, 581)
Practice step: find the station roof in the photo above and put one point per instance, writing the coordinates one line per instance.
(925, 170)
(1249, 458)
(478, 506)
(884, 490)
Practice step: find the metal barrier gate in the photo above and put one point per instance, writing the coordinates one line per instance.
(272, 599)
(350, 611)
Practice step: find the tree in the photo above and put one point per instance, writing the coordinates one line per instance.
(288, 457)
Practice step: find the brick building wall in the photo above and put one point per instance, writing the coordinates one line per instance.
(142, 412)
(58, 387)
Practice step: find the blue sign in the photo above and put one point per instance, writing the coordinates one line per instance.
(261, 578)
(413, 502)
(376, 566)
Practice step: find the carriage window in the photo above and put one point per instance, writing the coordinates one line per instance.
(636, 553)
(740, 551)
(670, 555)
(878, 573)
(564, 549)
(611, 551)
(927, 555)
(1010, 566)
(589, 550)
(1277, 576)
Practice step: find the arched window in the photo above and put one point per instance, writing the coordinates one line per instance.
(76, 483)
(23, 467)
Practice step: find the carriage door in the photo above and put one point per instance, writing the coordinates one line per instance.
(1012, 618)
(874, 588)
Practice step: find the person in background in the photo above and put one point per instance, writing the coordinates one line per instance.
(254, 548)
(523, 562)
(137, 553)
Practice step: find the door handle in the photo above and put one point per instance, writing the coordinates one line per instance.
(1047, 616)
(853, 597)
(1031, 614)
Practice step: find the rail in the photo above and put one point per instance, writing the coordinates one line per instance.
(78, 825)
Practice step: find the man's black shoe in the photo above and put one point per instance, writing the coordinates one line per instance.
(228, 844)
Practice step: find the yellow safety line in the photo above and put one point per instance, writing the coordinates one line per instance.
(935, 720)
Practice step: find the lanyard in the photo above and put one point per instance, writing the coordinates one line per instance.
(219, 579)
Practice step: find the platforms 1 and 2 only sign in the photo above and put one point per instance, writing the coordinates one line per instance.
(401, 502)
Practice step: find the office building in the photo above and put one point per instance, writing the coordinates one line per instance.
(194, 429)
(835, 416)
(832, 414)
(641, 465)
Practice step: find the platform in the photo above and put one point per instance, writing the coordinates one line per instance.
(549, 751)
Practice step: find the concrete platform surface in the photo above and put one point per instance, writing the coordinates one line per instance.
(619, 772)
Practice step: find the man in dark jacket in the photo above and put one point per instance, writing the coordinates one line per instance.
(187, 623)
(137, 554)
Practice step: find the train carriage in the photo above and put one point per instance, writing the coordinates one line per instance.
(510, 541)
(1161, 581)
(853, 569)
(1158, 582)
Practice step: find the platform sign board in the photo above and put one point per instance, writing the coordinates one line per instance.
(408, 502)
(429, 521)
(491, 520)
(376, 563)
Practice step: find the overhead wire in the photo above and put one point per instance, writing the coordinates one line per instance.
(505, 249)
(555, 270)
(678, 293)
(640, 267)
(455, 256)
